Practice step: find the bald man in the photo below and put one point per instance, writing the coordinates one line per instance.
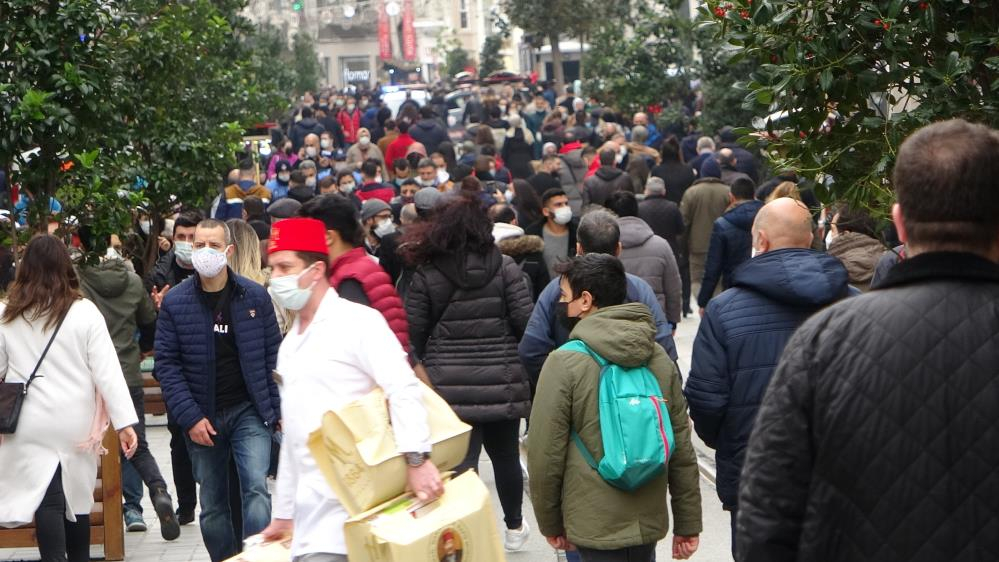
(745, 329)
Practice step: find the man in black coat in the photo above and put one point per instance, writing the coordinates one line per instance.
(662, 215)
(429, 130)
(607, 179)
(305, 127)
(877, 437)
(547, 176)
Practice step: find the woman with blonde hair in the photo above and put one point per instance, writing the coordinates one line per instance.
(245, 260)
(785, 189)
(57, 345)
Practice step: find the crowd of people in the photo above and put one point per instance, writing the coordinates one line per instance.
(370, 248)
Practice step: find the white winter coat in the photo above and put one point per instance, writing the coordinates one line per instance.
(58, 411)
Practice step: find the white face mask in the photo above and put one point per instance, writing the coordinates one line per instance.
(384, 228)
(350, 107)
(347, 188)
(509, 195)
(287, 293)
(208, 262)
(265, 150)
(364, 141)
(144, 227)
(378, 178)
(183, 252)
(310, 181)
(284, 178)
(563, 215)
(829, 238)
(754, 253)
(325, 143)
(112, 254)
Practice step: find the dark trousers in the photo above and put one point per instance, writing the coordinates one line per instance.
(142, 467)
(643, 553)
(502, 442)
(60, 540)
(183, 473)
(684, 266)
(735, 513)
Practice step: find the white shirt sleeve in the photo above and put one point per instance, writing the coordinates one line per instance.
(381, 356)
(286, 487)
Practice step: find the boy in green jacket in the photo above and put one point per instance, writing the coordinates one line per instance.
(574, 506)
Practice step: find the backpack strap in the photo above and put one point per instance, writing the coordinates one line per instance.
(579, 346)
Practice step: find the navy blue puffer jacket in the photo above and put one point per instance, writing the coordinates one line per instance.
(731, 244)
(740, 341)
(185, 350)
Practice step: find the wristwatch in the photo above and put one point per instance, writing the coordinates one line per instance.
(416, 459)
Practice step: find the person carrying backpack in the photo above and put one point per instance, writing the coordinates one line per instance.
(610, 389)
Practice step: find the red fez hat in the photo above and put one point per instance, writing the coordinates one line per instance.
(298, 235)
(447, 536)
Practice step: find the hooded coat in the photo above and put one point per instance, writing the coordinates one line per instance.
(703, 202)
(467, 312)
(607, 180)
(305, 127)
(650, 257)
(740, 341)
(430, 132)
(571, 175)
(731, 244)
(126, 308)
(860, 254)
(528, 251)
(569, 497)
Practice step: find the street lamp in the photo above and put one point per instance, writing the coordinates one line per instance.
(349, 11)
(392, 9)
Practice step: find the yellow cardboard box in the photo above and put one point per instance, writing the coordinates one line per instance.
(356, 452)
(259, 551)
(457, 527)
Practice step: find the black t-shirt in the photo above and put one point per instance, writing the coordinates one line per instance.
(230, 388)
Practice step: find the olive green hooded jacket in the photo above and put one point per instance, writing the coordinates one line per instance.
(570, 498)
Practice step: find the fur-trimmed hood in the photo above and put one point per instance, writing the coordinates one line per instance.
(518, 246)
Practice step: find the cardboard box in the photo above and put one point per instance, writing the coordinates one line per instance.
(457, 527)
(356, 452)
(259, 551)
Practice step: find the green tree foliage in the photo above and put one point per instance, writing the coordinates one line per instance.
(647, 64)
(549, 20)
(305, 63)
(489, 59)
(273, 62)
(880, 68)
(723, 83)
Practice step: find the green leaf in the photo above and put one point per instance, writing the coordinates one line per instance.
(764, 97)
(825, 79)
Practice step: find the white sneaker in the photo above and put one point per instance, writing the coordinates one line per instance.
(515, 539)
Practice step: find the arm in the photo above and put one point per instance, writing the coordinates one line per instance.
(778, 469)
(105, 370)
(381, 356)
(169, 370)
(539, 337)
(418, 311)
(287, 483)
(272, 341)
(664, 332)
(708, 384)
(351, 290)
(551, 421)
(684, 477)
(713, 266)
(518, 298)
(145, 318)
(672, 287)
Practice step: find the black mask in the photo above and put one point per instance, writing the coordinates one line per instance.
(562, 312)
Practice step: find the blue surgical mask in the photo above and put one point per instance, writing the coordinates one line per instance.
(183, 251)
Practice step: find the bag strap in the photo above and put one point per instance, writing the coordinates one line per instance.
(579, 346)
(34, 374)
(583, 450)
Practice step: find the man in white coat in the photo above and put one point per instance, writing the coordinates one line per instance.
(336, 351)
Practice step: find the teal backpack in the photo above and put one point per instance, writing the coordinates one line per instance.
(634, 424)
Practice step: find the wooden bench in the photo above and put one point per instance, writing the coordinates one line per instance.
(106, 525)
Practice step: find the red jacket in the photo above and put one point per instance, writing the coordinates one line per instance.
(375, 190)
(358, 265)
(399, 148)
(350, 124)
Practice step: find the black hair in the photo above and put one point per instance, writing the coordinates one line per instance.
(254, 207)
(297, 177)
(337, 213)
(852, 219)
(502, 213)
(460, 227)
(461, 172)
(189, 219)
(670, 150)
(599, 233)
(427, 112)
(389, 124)
(403, 126)
(307, 112)
(369, 169)
(487, 150)
(743, 189)
(600, 275)
(400, 164)
(623, 204)
(549, 194)
(607, 157)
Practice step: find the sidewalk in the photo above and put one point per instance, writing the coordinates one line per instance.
(150, 547)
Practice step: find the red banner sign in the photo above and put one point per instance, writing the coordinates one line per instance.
(408, 31)
(384, 37)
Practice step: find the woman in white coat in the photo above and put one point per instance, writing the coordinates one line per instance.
(48, 466)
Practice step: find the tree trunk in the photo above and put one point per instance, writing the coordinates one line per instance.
(557, 63)
(582, 41)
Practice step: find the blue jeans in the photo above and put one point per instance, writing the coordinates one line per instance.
(243, 437)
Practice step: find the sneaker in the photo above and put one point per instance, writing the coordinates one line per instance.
(163, 504)
(134, 522)
(185, 516)
(516, 538)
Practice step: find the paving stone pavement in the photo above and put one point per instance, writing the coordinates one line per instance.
(150, 547)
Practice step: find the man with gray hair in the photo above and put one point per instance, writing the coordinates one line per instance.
(662, 215)
(217, 340)
(705, 150)
(728, 161)
(598, 233)
(639, 145)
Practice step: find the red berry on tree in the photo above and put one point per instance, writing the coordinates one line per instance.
(744, 14)
(877, 22)
(887, 26)
(802, 134)
(923, 6)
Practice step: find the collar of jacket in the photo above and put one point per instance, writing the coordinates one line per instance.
(942, 265)
(238, 290)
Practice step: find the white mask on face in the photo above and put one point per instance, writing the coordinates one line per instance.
(563, 215)
(364, 141)
(384, 228)
(208, 262)
(284, 178)
(347, 188)
(754, 253)
(310, 181)
(310, 151)
(829, 238)
(287, 293)
(183, 252)
(378, 178)
(509, 195)
(325, 143)
(144, 227)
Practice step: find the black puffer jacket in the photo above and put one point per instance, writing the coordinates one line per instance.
(878, 438)
(470, 353)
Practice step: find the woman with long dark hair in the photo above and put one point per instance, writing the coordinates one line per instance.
(526, 203)
(468, 307)
(48, 465)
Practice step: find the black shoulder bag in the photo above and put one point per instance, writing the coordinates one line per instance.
(12, 393)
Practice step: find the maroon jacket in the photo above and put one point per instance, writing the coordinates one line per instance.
(358, 265)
